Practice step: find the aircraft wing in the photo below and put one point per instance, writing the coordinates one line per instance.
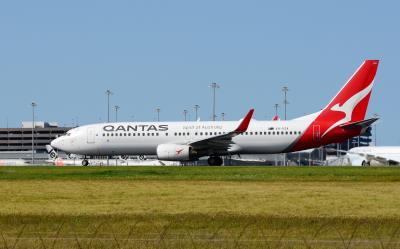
(221, 143)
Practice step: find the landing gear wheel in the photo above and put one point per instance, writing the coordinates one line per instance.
(365, 163)
(215, 161)
(85, 162)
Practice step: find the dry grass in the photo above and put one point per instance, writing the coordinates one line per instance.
(156, 209)
(279, 199)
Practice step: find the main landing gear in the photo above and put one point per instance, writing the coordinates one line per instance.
(215, 161)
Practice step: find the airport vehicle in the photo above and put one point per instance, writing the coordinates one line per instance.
(341, 119)
(378, 155)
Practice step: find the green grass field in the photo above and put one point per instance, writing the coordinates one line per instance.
(199, 207)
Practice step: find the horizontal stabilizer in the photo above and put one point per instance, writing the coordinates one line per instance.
(359, 124)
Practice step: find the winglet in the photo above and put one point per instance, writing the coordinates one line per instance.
(245, 122)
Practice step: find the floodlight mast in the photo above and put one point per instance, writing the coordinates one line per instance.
(214, 86)
(285, 89)
(33, 104)
(158, 113)
(108, 92)
(116, 112)
(196, 109)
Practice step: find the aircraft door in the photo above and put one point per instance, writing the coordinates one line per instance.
(90, 135)
(316, 132)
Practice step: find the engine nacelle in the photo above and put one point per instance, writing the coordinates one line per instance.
(174, 152)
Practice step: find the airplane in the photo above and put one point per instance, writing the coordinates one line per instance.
(373, 155)
(342, 118)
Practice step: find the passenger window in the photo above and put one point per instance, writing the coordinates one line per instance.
(112, 134)
(133, 134)
(157, 134)
(166, 134)
(291, 133)
(124, 134)
(206, 133)
(255, 133)
(273, 133)
(180, 134)
(175, 133)
(251, 133)
(138, 134)
(129, 134)
(152, 134)
(195, 133)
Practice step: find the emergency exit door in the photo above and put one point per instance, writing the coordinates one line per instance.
(316, 132)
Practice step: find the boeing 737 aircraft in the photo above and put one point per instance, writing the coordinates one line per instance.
(341, 119)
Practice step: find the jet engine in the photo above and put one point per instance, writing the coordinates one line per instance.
(174, 152)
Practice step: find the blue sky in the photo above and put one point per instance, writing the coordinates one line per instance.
(65, 54)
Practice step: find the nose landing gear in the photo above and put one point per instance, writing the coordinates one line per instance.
(215, 161)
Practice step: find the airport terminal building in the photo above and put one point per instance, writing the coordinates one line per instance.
(16, 143)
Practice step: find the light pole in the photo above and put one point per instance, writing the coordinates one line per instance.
(375, 116)
(276, 106)
(108, 92)
(33, 104)
(116, 112)
(185, 112)
(196, 109)
(214, 86)
(285, 89)
(158, 114)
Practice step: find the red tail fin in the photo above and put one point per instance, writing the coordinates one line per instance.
(351, 103)
(355, 94)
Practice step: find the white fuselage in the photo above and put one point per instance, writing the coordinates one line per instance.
(388, 153)
(261, 137)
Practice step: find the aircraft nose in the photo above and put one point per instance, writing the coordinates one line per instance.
(57, 143)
